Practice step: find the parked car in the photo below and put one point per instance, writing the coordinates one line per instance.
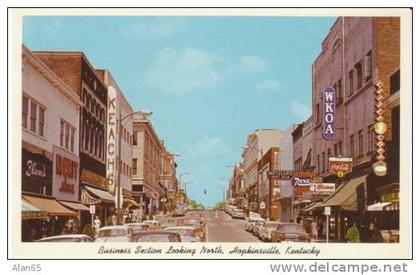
(265, 230)
(187, 233)
(179, 211)
(255, 227)
(238, 214)
(155, 236)
(76, 238)
(290, 232)
(135, 227)
(114, 233)
(196, 223)
(168, 222)
(251, 222)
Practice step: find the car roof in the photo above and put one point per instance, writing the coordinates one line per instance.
(114, 227)
(66, 236)
(154, 233)
(179, 227)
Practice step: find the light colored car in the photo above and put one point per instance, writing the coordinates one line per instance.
(238, 214)
(114, 233)
(290, 232)
(255, 227)
(155, 236)
(265, 230)
(73, 238)
(187, 233)
(251, 222)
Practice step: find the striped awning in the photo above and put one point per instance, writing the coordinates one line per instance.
(75, 205)
(101, 194)
(50, 206)
(30, 211)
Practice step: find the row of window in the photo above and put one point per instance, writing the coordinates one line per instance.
(322, 160)
(152, 153)
(93, 105)
(67, 135)
(33, 116)
(92, 141)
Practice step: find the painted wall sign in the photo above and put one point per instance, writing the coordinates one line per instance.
(36, 172)
(66, 175)
(328, 116)
(111, 163)
(280, 174)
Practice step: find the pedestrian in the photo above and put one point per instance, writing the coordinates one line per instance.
(353, 234)
(114, 219)
(314, 229)
(97, 224)
(376, 235)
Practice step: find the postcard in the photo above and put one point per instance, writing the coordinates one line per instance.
(210, 133)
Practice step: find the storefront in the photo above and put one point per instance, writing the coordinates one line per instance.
(36, 170)
(54, 218)
(103, 200)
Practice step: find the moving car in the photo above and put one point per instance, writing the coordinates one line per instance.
(238, 214)
(155, 236)
(77, 238)
(196, 223)
(114, 233)
(290, 232)
(265, 230)
(187, 233)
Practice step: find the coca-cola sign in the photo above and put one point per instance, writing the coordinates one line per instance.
(340, 165)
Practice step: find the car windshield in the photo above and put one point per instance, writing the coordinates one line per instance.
(112, 233)
(292, 228)
(154, 238)
(190, 222)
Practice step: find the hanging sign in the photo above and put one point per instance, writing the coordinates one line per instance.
(328, 116)
(340, 166)
(111, 137)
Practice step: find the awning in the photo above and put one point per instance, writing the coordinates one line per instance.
(51, 206)
(345, 195)
(103, 195)
(377, 206)
(30, 211)
(130, 202)
(75, 205)
(312, 206)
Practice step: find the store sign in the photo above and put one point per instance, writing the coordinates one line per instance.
(262, 205)
(280, 174)
(92, 178)
(111, 137)
(322, 188)
(35, 166)
(340, 165)
(301, 181)
(328, 116)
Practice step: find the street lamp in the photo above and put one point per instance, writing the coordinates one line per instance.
(223, 190)
(145, 114)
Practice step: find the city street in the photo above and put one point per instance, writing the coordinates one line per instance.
(222, 228)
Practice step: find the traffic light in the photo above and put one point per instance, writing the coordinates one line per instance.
(205, 192)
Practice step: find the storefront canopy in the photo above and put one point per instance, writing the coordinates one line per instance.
(103, 195)
(380, 206)
(50, 206)
(313, 206)
(345, 195)
(75, 206)
(30, 211)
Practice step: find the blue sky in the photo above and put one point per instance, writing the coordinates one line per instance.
(210, 81)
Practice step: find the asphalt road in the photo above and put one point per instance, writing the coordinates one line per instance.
(222, 228)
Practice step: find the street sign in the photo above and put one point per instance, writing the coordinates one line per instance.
(262, 205)
(327, 210)
(92, 209)
(340, 166)
(280, 174)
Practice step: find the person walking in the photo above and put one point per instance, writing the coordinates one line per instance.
(353, 234)
(314, 229)
(97, 224)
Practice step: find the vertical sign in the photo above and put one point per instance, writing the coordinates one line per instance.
(328, 116)
(111, 138)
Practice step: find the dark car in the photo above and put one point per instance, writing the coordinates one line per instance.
(155, 236)
(290, 232)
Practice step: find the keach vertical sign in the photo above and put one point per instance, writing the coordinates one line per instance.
(328, 117)
(111, 138)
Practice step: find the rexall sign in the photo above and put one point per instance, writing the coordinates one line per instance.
(328, 116)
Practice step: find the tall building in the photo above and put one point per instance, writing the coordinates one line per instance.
(119, 115)
(77, 72)
(257, 144)
(148, 152)
(50, 150)
(357, 52)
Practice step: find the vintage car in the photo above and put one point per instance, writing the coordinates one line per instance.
(250, 222)
(71, 238)
(114, 233)
(290, 232)
(187, 233)
(155, 236)
(265, 230)
(196, 223)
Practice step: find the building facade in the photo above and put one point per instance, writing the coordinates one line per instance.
(50, 142)
(357, 52)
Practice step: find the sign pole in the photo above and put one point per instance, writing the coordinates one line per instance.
(328, 228)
